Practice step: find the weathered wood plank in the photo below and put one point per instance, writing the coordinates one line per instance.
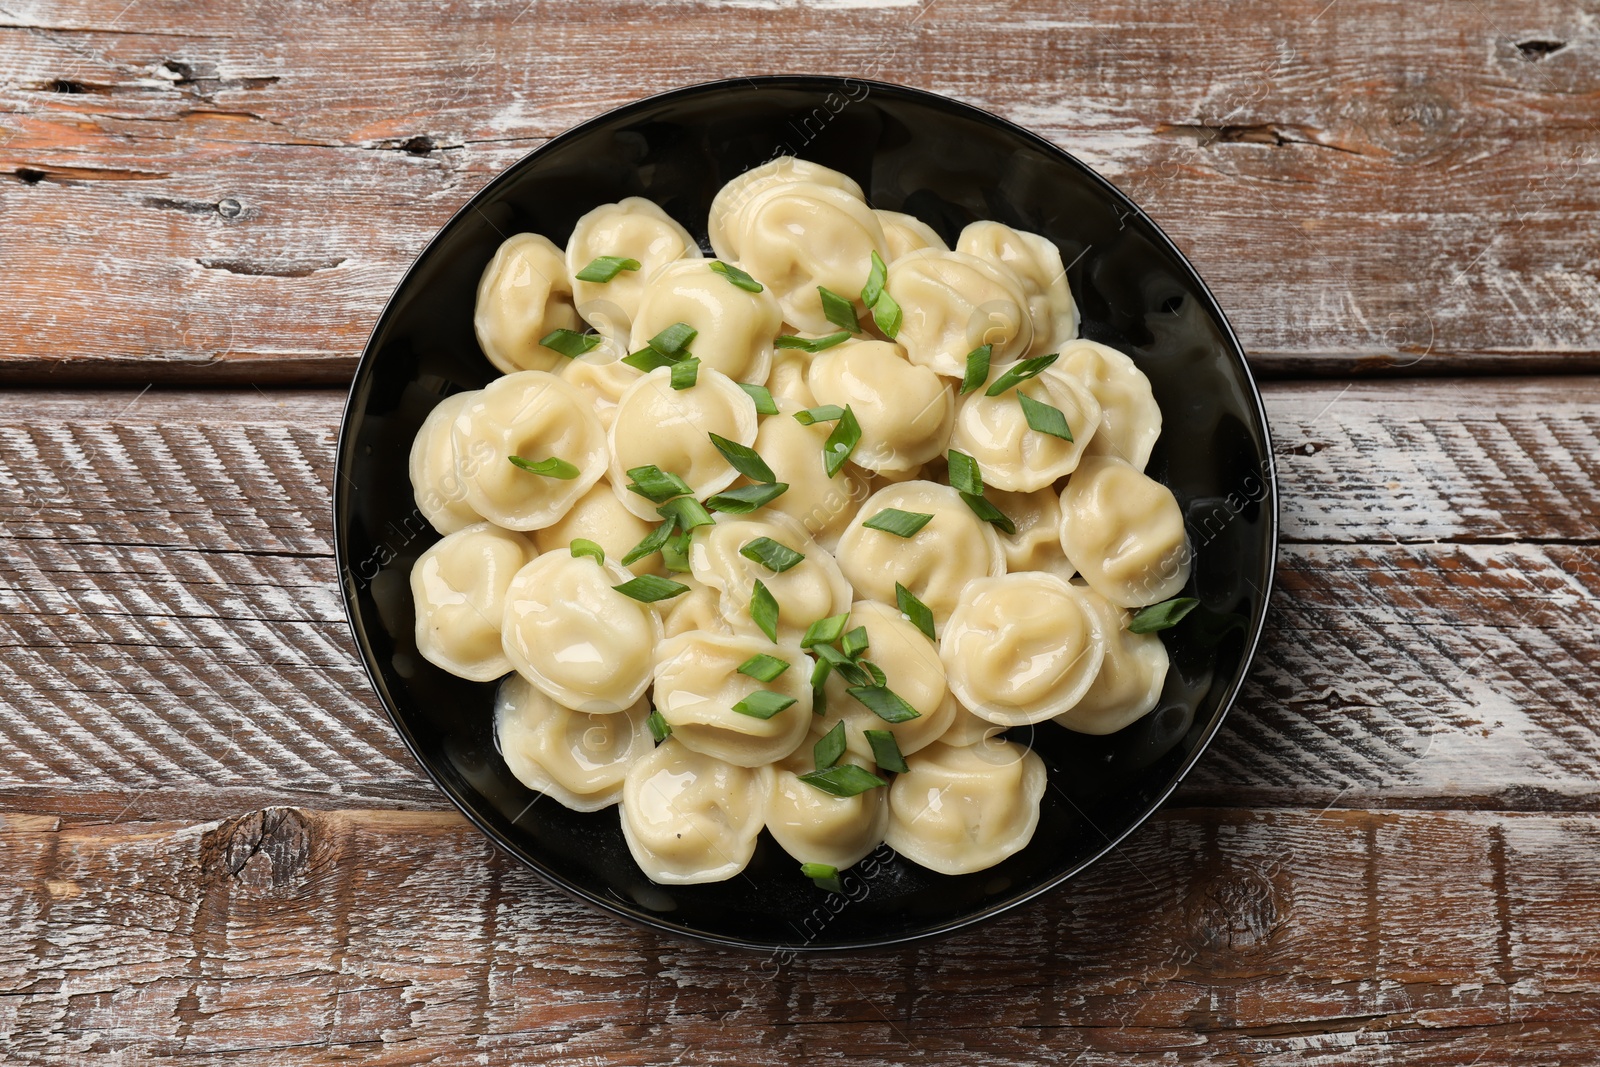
(1358, 193)
(1212, 936)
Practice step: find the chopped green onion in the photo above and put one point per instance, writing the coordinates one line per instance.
(652, 542)
(569, 343)
(744, 459)
(884, 702)
(762, 396)
(854, 642)
(1020, 372)
(977, 368)
(874, 673)
(656, 485)
(674, 339)
(986, 511)
(841, 442)
(763, 668)
(685, 373)
(550, 468)
(604, 268)
(843, 780)
(897, 522)
(736, 276)
(852, 673)
(825, 413)
(1162, 616)
(1044, 418)
(776, 556)
(660, 728)
(964, 473)
(689, 513)
(647, 589)
(825, 631)
(824, 875)
(764, 611)
(819, 694)
(885, 750)
(763, 704)
(920, 614)
(839, 311)
(887, 314)
(648, 359)
(582, 546)
(812, 344)
(875, 279)
(829, 747)
(746, 498)
(675, 553)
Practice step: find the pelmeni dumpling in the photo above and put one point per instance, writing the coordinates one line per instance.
(688, 817)
(954, 303)
(735, 327)
(698, 685)
(1128, 684)
(436, 481)
(1022, 648)
(906, 233)
(812, 589)
(698, 609)
(912, 670)
(935, 563)
(632, 228)
(459, 589)
(599, 516)
(798, 236)
(671, 428)
(817, 827)
(1124, 533)
(1013, 455)
(787, 382)
(1036, 262)
(535, 416)
(906, 411)
(602, 378)
(524, 293)
(1130, 418)
(960, 809)
(823, 505)
(575, 759)
(728, 206)
(1036, 546)
(968, 729)
(569, 632)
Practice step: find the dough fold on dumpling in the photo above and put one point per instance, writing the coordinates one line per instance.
(797, 237)
(952, 304)
(813, 826)
(1124, 533)
(671, 429)
(905, 411)
(599, 516)
(1128, 684)
(698, 686)
(812, 589)
(912, 671)
(436, 482)
(1130, 418)
(458, 587)
(994, 430)
(688, 817)
(734, 327)
(1036, 262)
(960, 809)
(524, 294)
(632, 228)
(577, 760)
(906, 233)
(726, 216)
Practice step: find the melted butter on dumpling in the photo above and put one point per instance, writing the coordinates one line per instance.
(688, 817)
(576, 759)
(671, 428)
(954, 303)
(735, 327)
(960, 809)
(524, 293)
(459, 588)
(1036, 262)
(632, 228)
(1124, 533)
(906, 412)
(697, 686)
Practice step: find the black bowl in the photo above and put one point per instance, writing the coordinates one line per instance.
(948, 164)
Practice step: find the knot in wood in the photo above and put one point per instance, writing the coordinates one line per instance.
(1238, 909)
(266, 849)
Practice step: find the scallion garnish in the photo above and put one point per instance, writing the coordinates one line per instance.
(1020, 372)
(875, 279)
(965, 475)
(841, 442)
(819, 678)
(897, 522)
(838, 310)
(675, 553)
(825, 413)
(854, 642)
(549, 468)
(604, 268)
(656, 485)
(848, 669)
(744, 459)
(648, 359)
(884, 702)
(651, 543)
(582, 546)
(762, 396)
(660, 728)
(919, 614)
(873, 671)
(812, 344)
(887, 314)
(825, 631)
(569, 343)
(776, 556)
(829, 747)
(1162, 616)
(763, 668)
(647, 588)
(764, 611)
(746, 498)
(685, 373)
(763, 704)
(674, 339)
(843, 780)
(977, 368)
(688, 512)
(736, 276)
(824, 875)
(885, 750)
(986, 511)
(1044, 418)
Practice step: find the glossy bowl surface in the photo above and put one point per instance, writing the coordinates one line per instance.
(947, 163)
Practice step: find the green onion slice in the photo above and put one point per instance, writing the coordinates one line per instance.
(656, 485)
(582, 546)
(736, 276)
(986, 511)
(1044, 418)
(854, 642)
(763, 668)
(920, 615)
(825, 413)
(746, 498)
(812, 344)
(763, 704)
(685, 373)
(875, 280)
(1162, 616)
(977, 368)
(824, 875)
(843, 780)
(653, 542)
(660, 728)
(829, 747)
(550, 468)
(838, 310)
(744, 459)
(674, 340)
(897, 522)
(776, 556)
(1020, 372)
(884, 702)
(825, 631)
(569, 343)
(647, 588)
(885, 750)
(841, 442)
(964, 473)
(688, 512)
(764, 611)
(604, 268)
(762, 396)
(648, 359)
(675, 553)
(887, 314)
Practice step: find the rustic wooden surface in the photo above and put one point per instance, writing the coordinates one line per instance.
(215, 846)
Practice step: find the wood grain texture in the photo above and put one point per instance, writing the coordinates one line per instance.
(1359, 193)
(1213, 936)
(171, 632)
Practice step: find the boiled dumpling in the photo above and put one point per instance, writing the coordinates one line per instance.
(436, 483)
(906, 411)
(688, 817)
(575, 759)
(912, 671)
(523, 295)
(1036, 262)
(906, 233)
(954, 303)
(459, 588)
(817, 827)
(602, 378)
(728, 206)
(960, 809)
(1128, 684)
(632, 228)
(787, 382)
(698, 609)
(823, 505)
(1036, 546)
(1013, 456)
(599, 516)
(697, 686)
(1124, 533)
(1130, 418)
(670, 428)
(735, 327)
(811, 589)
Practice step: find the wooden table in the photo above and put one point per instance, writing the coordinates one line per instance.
(215, 847)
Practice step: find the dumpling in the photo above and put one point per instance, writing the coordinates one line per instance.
(1036, 262)
(787, 381)
(935, 563)
(632, 228)
(698, 684)
(812, 589)
(813, 826)
(440, 492)
(1128, 685)
(960, 809)
(602, 378)
(459, 588)
(698, 609)
(535, 416)
(599, 516)
(798, 236)
(671, 428)
(688, 817)
(1124, 533)
(906, 411)
(823, 505)
(1036, 546)
(728, 206)
(568, 631)
(912, 670)
(1013, 455)
(906, 233)
(1130, 418)
(1022, 648)
(954, 303)
(968, 729)
(575, 759)
(524, 294)
(735, 327)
